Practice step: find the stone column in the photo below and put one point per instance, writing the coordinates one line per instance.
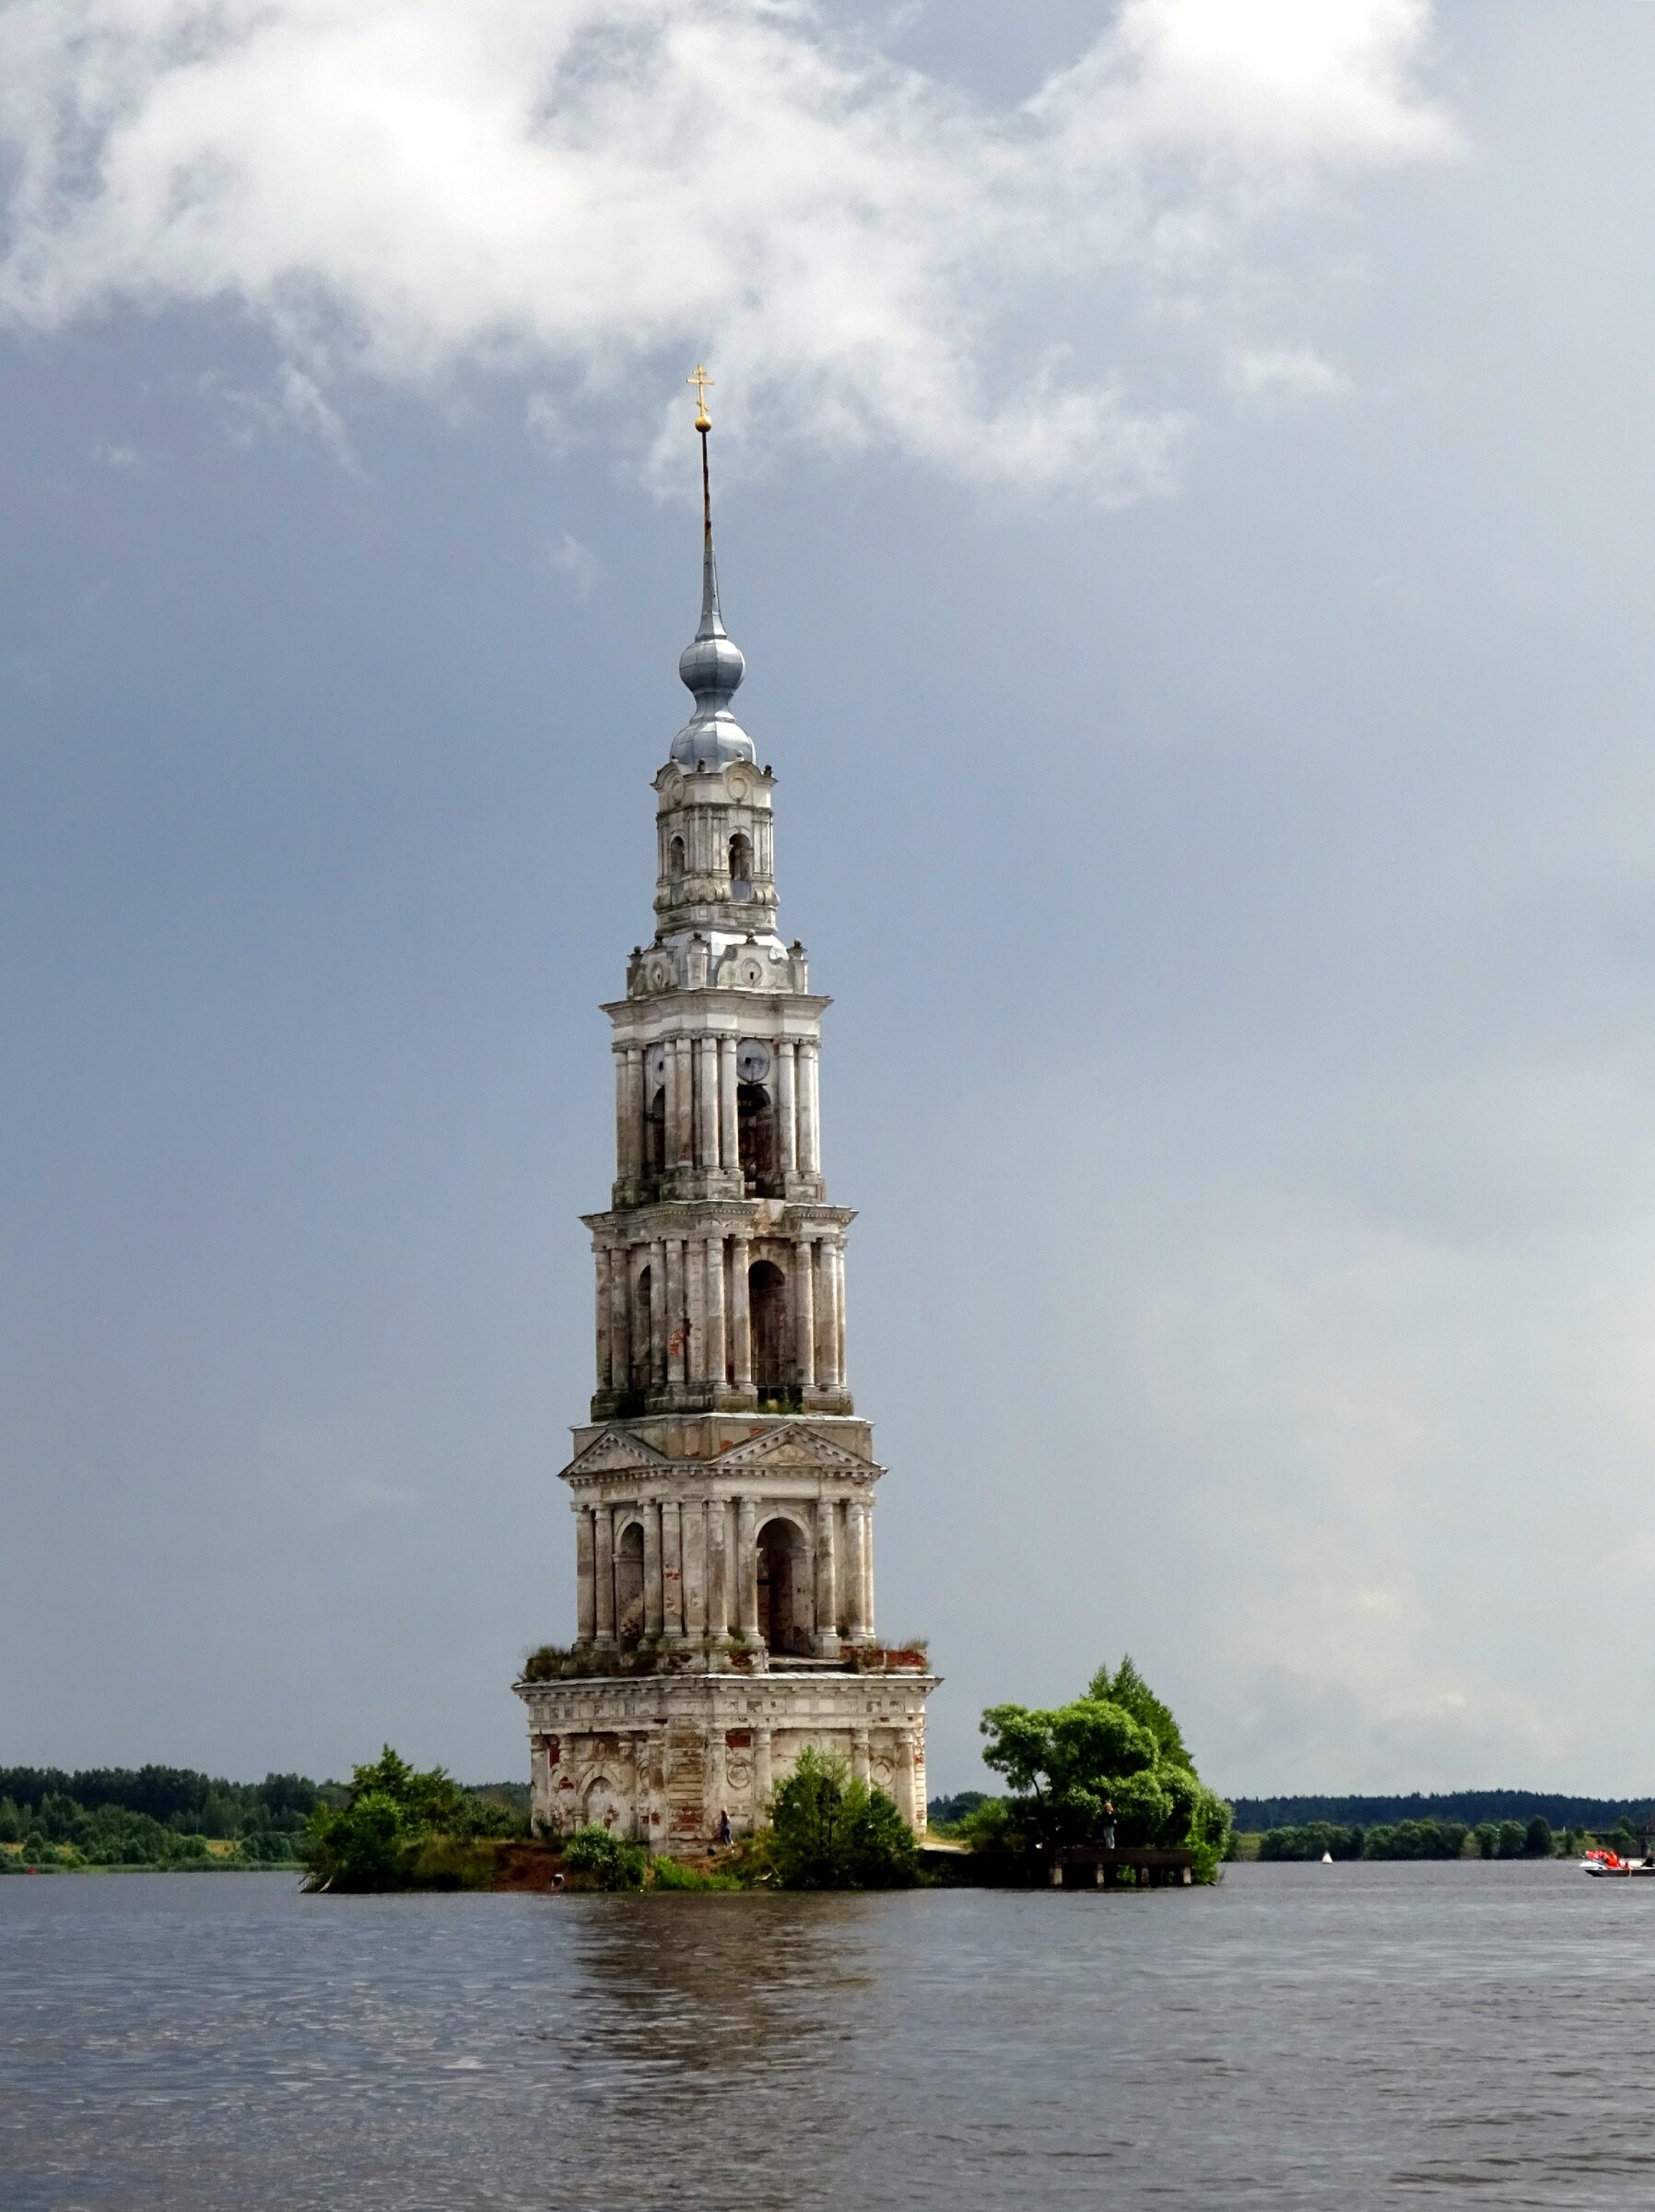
(729, 1130)
(905, 1778)
(857, 1625)
(694, 1568)
(684, 1119)
(622, 1114)
(804, 1313)
(867, 1569)
(675, 1346)
(810, 1130)
(715, 1362)
(658, 1323)
(669, 1132)
(719, 1608)
(763, 1780)
(602, 1557)
(586, 1583)
(741, 1311)
(620, 1321)
(694, 1285)
(706, 1101)
(860, 1759)
(601, 1264)
(633, 1152)
(832, 1372)
(746, 1566)
(652, 1614)
(828, 1636)
(671, 1572)
(838, 1309)
(787, 1105)
(643, 1784)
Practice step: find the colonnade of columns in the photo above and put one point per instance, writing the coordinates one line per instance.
(700, 1569)
(690, 1318)
(701, 1125)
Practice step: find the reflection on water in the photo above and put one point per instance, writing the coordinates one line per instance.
(1304, 2036)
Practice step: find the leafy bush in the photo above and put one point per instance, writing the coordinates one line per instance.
(831, 1833)
(382, 1836)
(614, 1863)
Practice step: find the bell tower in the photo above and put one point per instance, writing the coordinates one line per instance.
(721, 1266)
(723, 1489)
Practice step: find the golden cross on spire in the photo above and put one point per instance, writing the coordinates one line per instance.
(700, 380)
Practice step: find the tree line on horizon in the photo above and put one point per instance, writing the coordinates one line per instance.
(1473, 1808)
(170, 1818)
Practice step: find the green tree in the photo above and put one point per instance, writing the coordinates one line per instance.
(1511, 1839)
(1116, 1759)
(832, 1833)
(1128, 1690)
(1487, 1839)
(391, 1810)
(1537, 1838)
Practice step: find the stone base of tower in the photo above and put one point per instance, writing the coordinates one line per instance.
(659, 1758)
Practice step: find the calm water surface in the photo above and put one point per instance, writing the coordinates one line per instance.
(1344, 2036)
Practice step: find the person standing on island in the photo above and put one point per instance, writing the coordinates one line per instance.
(723, 1827)
(1108, 1824)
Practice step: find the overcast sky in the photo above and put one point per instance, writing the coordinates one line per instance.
(1186, 497)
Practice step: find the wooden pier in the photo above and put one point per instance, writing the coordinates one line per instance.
(1090, 1866)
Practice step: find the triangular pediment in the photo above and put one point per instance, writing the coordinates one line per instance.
(617, 1451)
(795, 1447)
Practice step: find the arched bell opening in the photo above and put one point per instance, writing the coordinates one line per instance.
(772, 1337)
(740, 866)
(654, 1134)
(628, 1586)
(786, 1604)
(675, 861)
(756, 1128)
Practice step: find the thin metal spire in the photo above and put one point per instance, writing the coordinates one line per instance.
(713, 624)
(710, 665)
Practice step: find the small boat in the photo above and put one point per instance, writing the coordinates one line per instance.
(1327, 1858)
(1610, 1862)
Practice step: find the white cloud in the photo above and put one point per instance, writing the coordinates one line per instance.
(575, 560)
(403, 188)
(1293, 371)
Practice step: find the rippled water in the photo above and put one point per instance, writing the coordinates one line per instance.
(1348, 2036)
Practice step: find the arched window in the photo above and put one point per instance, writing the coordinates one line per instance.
(654, 1136)
(786, 1609)
(755, 1131)
(675, 859)
(628, 1586)
(741, 867)
(772, 1339)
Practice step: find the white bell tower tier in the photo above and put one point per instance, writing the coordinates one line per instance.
(724, 1490)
